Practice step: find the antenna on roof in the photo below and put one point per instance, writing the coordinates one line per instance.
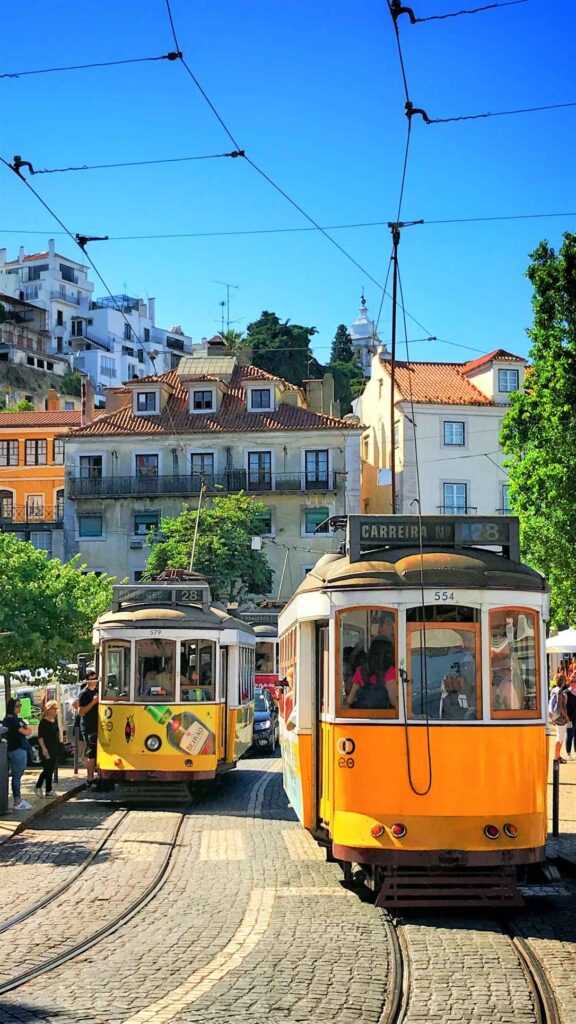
(226, 303)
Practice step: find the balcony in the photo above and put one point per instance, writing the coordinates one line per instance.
(16, 336)
(188, 485)
(14, 517)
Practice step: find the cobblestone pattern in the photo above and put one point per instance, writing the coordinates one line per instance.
(123, 869)
(551, 934)
(462, 971)
(46, 856)
(269, 937)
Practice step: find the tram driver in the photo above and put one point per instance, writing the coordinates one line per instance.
(374, 683)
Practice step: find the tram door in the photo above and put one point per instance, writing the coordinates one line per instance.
(322, 735)
(224, 692)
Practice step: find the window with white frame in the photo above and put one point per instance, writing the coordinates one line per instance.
(260, 399)
(147, 465)
(90, 467)
(454, 433)
(316, 466)
(145, 523)
(59, 451)
(202, 468)
(454, 498)
(36, 453)
(9, 453)
(508, 380)
(146, 401)
(202, 400)
(90, 527)
(259, 471)
(265, 525)
(35, 506)
(505, 498)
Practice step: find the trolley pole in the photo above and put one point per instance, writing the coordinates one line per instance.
(556, 798)
(395, 229)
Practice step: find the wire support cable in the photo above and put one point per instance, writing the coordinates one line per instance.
(86, 67)
(137, 163)
(415, 20)
(498, 113)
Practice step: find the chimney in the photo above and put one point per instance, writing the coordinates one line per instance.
(51, 246)
(152, 311)
(52, 400)
(20, 254)
(2, 257)
(87, 406)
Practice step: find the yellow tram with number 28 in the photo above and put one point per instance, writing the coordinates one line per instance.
(176, 683)
(413, 731)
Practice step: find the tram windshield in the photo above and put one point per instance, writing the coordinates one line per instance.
(367, 670)
(266, 658)
(513, 661)
(443, 672)
(155, 670)
(116, 675)
(197, 670)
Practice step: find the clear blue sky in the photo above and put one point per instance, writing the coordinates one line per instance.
(313, 93)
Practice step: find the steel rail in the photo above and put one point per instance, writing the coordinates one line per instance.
(53, 894)
(150, 892)
(544, 999)
(396, 1004)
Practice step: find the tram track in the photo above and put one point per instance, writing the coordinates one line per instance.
(544, 999)
(118, 921)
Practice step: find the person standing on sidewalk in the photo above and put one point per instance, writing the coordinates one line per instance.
(558, 714)
(571, 710)
(49, 743)
(88, 711)
(17, 731)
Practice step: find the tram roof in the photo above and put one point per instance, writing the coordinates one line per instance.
(389, 569)
(175, 617)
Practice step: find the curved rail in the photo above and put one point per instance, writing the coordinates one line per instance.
(544, 998)
(397, 1000)
(23, 915)
(119, 921)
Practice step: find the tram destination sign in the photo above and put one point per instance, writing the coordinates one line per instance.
(151, 595)
(371, 533)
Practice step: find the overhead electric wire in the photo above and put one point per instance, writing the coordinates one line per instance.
(472, 10)
(85, 67)
(498, 113)
(135, 163)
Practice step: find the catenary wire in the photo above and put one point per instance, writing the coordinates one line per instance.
(472, 10)
(135, 163)
(85, 67)
(499, 113)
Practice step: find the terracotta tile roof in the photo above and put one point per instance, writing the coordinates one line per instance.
(39, 419)
(437, 383)
(232, 416)
(498, 353)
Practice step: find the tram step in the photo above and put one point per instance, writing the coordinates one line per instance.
(157, 794)
(405, 888)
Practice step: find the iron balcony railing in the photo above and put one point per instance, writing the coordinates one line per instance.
(457, 510)
(190, 484)
(23, 515)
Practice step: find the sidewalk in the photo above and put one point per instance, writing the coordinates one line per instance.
(15, 821)
(564, 846)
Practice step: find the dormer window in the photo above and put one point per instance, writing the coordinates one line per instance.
(202, 401)
(260, 399)
(146, 401)
(508, 380)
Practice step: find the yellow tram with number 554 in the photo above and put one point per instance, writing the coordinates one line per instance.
(413, 731)
(176, 683)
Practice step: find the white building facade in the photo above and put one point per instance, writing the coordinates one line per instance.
(228, 427)
(364, 337)
(455, 411)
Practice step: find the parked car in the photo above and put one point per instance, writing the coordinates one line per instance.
(266, 727)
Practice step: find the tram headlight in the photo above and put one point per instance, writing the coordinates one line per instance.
(153, 743)
(491, 831)
(398, 830)
(510, 830)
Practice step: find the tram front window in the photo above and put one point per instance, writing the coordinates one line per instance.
(367, 674)
(513, 662)
(265, 660)
(197, 670)
(116, 678)
(444, 677)
(155, 663)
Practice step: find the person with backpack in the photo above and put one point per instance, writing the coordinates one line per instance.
(374, 686)
(558, 713)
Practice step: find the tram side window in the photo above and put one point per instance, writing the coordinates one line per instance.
(247, 664)
(513, 662)
(155, 664)
(197, 670)
(289, 669)
(116, 682)
(443, 671)
(367, 673)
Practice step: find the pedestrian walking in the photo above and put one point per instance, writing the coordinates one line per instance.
(49, 743)
(558, 714)
(17, 731)
(88, 711)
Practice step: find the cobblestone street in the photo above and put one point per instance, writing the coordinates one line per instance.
(244, 921)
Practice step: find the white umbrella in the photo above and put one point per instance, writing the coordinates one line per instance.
(562, 643)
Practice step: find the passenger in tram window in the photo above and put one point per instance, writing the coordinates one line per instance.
(375, 685)
(454, 702)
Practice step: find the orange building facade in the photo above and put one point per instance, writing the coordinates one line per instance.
(32, 456)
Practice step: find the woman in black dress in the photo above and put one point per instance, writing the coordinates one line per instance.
(49, 743)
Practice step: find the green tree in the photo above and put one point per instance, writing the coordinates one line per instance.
(47, 607)
(223, 548)
(235, 340)
(24, 405)
(341, 351)
(71, 383)
(283, 348)
(539, 430)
